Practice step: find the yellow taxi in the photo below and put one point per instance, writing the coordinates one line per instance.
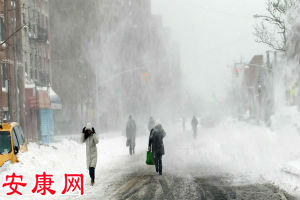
(12, 142)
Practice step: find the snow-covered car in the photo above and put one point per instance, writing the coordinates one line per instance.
(11, 142)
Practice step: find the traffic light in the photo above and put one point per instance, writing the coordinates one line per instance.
(236, 71)
(144, 78)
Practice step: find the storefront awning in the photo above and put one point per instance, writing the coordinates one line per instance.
(42, 98)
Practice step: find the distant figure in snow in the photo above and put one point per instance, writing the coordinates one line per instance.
(90, 138)
(130, 134)
(151, 123)
(194, 124)
(156, 146)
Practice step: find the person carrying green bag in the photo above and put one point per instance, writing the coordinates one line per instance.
(156, 146)
(149, 158)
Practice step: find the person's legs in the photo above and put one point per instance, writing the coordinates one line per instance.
(155, 161)
(160, 164)
(92, 174)
(195, 132)
(133, 148)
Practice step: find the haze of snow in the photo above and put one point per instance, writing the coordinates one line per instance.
(247, 153)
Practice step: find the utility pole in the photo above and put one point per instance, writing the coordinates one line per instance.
(9, 53)
(21, 73)
(15, 62)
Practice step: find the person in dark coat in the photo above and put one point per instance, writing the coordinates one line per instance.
(156, 146)
(130, 134)
(90, 138)
(151, 123)
(194, 124)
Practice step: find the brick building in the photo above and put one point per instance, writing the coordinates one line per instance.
(26, 95)
(12, 69)
(41, 100)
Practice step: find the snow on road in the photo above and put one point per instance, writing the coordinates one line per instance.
(248, 153)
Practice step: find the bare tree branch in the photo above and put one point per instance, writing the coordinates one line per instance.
(274, 32)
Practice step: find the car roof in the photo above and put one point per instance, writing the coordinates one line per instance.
(8, 126)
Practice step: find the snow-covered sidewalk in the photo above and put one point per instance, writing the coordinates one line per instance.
(68, 156)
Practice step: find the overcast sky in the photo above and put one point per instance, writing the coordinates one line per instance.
(212, 35)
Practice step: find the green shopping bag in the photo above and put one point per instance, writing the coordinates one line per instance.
(149, 159)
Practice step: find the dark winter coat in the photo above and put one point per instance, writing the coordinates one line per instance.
(131, 131)
(156, 140)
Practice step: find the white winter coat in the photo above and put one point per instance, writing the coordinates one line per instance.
(91, 150)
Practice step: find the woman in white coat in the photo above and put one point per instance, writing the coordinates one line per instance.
(90, 138)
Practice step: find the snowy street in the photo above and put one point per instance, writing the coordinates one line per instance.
(150, 99)
(223, 163)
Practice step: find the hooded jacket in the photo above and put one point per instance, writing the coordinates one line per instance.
(91, 148)
(156, 140)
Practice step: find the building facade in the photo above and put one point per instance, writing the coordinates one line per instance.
(26, 95)
(12, 68)
(39, 95)
(36, 43)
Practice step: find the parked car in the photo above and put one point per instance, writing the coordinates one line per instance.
(12, 142)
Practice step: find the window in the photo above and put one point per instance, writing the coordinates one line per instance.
(26, 68)
(5, 142)
(30, 66)
(31, 73)
(3, 74)
(36, 61)
(47, 23)
(24, 20)
(19, 134)
(22, 133)
(36, 67)
(41, 67)
(15, 140)
(1, 29)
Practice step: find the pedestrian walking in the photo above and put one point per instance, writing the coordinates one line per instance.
(90, 138)
(130, 134)
(156, 146)
(194, 124)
